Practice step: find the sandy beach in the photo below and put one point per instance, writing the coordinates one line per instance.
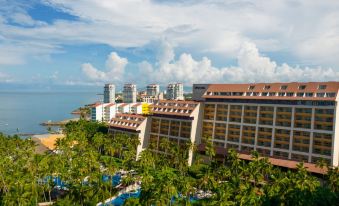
(46, 142)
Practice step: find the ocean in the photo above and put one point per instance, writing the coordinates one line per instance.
(22, 112)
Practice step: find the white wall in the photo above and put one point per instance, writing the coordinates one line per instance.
(335, 146)
(196, 128)
(144, 129)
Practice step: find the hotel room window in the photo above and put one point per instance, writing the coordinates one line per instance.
(322, 87)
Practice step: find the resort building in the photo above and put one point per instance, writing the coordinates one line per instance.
(130, 93)
(103, 112)
(107, 111)
(109, 93)
(123, 108)
(177, 121)
(286, 122)
(152, 99)
(136, 108)
(175, 91)
(152, 90)
(131, 125)
(291, 121)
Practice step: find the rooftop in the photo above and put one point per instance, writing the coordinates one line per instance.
(325, 91)
(288, 163)
(127, 121)
(174, 107)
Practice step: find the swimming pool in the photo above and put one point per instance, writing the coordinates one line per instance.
(116, 179)
(120, 200)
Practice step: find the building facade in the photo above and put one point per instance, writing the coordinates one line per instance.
(286, 122)
(152, 99)
(291, 121)
(131, 125)
(177, 121)
(130, 93)
(175, 91)
(153, 90)
(109, 93)
(103, 112)
(107, 111)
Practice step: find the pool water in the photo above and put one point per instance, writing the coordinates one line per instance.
(116, 179)
(120, 200)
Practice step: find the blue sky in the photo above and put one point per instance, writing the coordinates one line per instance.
(90, 42)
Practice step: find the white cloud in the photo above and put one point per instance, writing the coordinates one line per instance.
(5, 77)
(115, 68)
(209, 27)
(251, 67)
(308, 31)
(25, 19)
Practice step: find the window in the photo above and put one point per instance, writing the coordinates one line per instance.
(225, 93)
(320, 94)
(283, 87)
(289, 94)
(237, 93)
(300, 94)
(251, 87)
(330, 94)
(308, 94)
(264, 94)
(322, 87)
(281, 94)
(302, 87)
(267, 87)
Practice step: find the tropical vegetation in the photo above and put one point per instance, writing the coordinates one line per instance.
(88, 153)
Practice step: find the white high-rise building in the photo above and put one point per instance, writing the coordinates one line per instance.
(130, 93)
(103, 112)
(175, 91)
(153, 90)
(109, 93)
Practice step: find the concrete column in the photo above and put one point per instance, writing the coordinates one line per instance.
(273, 129)
(311, 135)
(291, 134)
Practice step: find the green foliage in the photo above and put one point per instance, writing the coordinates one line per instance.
(88, 152)
(82, 159)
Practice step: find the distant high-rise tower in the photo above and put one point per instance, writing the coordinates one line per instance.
(153, 90)
(109, 93)
(130, 93)
(175, 91)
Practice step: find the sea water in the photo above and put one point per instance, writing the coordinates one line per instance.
(22, 112)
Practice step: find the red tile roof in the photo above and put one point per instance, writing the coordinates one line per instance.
(288, 163)
(310, 87)
(127, 121)
(174, 107)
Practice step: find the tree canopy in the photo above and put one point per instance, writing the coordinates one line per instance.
(73, 174)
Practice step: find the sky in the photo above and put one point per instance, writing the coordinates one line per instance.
(92, 42)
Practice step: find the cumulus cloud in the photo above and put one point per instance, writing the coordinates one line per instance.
(251, 67)
(204, 26)
(308, 31)
(115, 68)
